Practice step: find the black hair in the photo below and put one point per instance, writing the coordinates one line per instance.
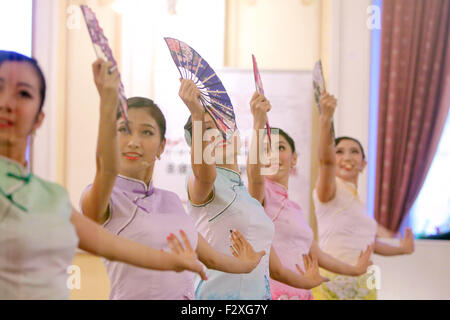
(17, 57)
(339, 139)
(286, 136)
(153, 109)
(188, 131)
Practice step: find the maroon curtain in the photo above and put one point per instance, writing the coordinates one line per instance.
(414, 101)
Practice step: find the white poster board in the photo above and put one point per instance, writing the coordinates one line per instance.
(290, 94)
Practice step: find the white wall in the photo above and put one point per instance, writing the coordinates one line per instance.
(45, 35)
(82, 100)
(283, 35)
(423, 275)
(348, 56)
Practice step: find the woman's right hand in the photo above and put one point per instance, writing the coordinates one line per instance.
(190, 95)
(107, 82)
(311, 270)
(328, 105)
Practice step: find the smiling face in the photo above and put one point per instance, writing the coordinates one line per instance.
(19, 103)
(140, 149)
(349, 160)
(284, 160)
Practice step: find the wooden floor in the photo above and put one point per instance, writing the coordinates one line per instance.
(94, 283)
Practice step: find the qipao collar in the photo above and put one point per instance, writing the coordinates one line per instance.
(134, 186)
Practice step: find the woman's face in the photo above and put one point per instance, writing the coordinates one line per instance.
(283, 159)
(349, 160)
(223, 151)
(19, 102)
(139, 149)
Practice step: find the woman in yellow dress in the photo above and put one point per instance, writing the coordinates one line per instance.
(344, 227)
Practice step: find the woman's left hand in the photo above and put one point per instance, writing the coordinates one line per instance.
(243, 250)
(364, 260)
(186, 255)
(407, 242)
(311, 272)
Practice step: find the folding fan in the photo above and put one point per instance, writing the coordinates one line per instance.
(103, 51)
(213, 97)
(319, 88)
(260, 90)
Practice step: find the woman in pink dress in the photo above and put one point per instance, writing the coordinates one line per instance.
(294, 238)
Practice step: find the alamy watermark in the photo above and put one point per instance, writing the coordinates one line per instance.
(374, 19)
(373, 280)
(219, 150)
(74, 279)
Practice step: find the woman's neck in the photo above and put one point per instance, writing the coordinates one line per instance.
(144, 175)
(284, 181)
(353, 180)
(16, 152)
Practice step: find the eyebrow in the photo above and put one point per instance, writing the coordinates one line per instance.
(351, 149)
(20, 84)
(122, 122)
(24, 84)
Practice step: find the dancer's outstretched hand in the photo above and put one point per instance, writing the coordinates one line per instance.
(107, 81)
(364, 260)
(407, 242)
(328, 105)
(311, 270)
(186, 255)
(259, 107)
(243, 250)
(191, 95)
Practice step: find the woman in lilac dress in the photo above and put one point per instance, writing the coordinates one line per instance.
(123, 199)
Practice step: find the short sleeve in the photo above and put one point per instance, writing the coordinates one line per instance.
(111, 204)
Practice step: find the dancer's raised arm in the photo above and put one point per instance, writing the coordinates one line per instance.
(95, 201)
(259, 106)
(326, 183)
(200, 185)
